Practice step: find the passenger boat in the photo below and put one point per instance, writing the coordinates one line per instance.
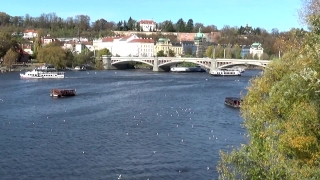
(43, 72)
(225, 72)
(36, 74)
(187, 69)
(233, 102)
(62, 92)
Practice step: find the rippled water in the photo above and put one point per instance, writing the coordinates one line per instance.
(139, 124)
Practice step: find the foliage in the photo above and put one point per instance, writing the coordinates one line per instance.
(281, 114)
(6, 43)
(171, 53)
(54, 55)
(10, 57)
(161, 54)
(37, 44)
(104, 51)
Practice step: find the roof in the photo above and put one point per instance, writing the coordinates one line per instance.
(124, 38)
(177, 44)
(30, 30)
(147, 22)
(107, 39)
(142, 41)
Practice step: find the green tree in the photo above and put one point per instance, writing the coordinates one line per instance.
(54, 55)
(6, 43)
(161, 54)
(171, 53)
(209, 52)
(236, 52)
(10, 57)
(37, 44)
(281, 112)
(104, 51)
(189, 26)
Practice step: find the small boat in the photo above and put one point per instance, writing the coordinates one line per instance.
(233, 102)
(225, 72)
(62, 92)
(79, 68)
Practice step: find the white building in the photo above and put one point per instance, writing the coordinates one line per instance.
(78, 47)
(126, 46)
(147, 25)
(30, 33)
(256, 49)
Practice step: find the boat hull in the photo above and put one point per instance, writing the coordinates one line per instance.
(187, 69)
(23, 76)
(62, 92)
(225, 73)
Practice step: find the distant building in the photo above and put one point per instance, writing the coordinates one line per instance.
(189, 48)
(30, 33)
(130, 45)
(253, 50)
(200, 40)
(256, 49)
(147, 25)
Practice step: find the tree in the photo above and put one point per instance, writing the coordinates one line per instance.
(236, 52)
(171, 53)
(10, 57)
(180, 25)
(161, 54)
(37, 44)
(281, 112)
(104, 51)
(54, 55)
(6, 43)
(189, 26)
(209, 52)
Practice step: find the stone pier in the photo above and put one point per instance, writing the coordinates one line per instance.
(213, 65)
(156, 64)
(106, 60)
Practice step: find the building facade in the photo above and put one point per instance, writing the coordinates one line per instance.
(147, 25)
(29, 34)
(256, 49)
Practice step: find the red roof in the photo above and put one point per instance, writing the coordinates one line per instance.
(107, 39)
(142, 41)
(147, 22)
(30, 30)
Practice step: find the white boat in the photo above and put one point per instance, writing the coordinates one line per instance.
(225, 72)
(79, 68)
(39, 74)
(187, 69)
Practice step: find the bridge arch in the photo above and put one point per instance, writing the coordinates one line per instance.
(242, 63)
(148, 62)
(174, 62)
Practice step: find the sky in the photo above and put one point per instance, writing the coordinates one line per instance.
(266, 14)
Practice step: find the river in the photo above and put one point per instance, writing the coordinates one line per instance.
(137, 123)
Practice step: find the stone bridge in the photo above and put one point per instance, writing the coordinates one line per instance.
(164, 63)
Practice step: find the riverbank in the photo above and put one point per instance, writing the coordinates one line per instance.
(4, 69)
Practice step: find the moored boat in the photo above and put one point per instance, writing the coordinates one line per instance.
(79, 68)
(225, 72)
(233, 102)
(62, 92)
